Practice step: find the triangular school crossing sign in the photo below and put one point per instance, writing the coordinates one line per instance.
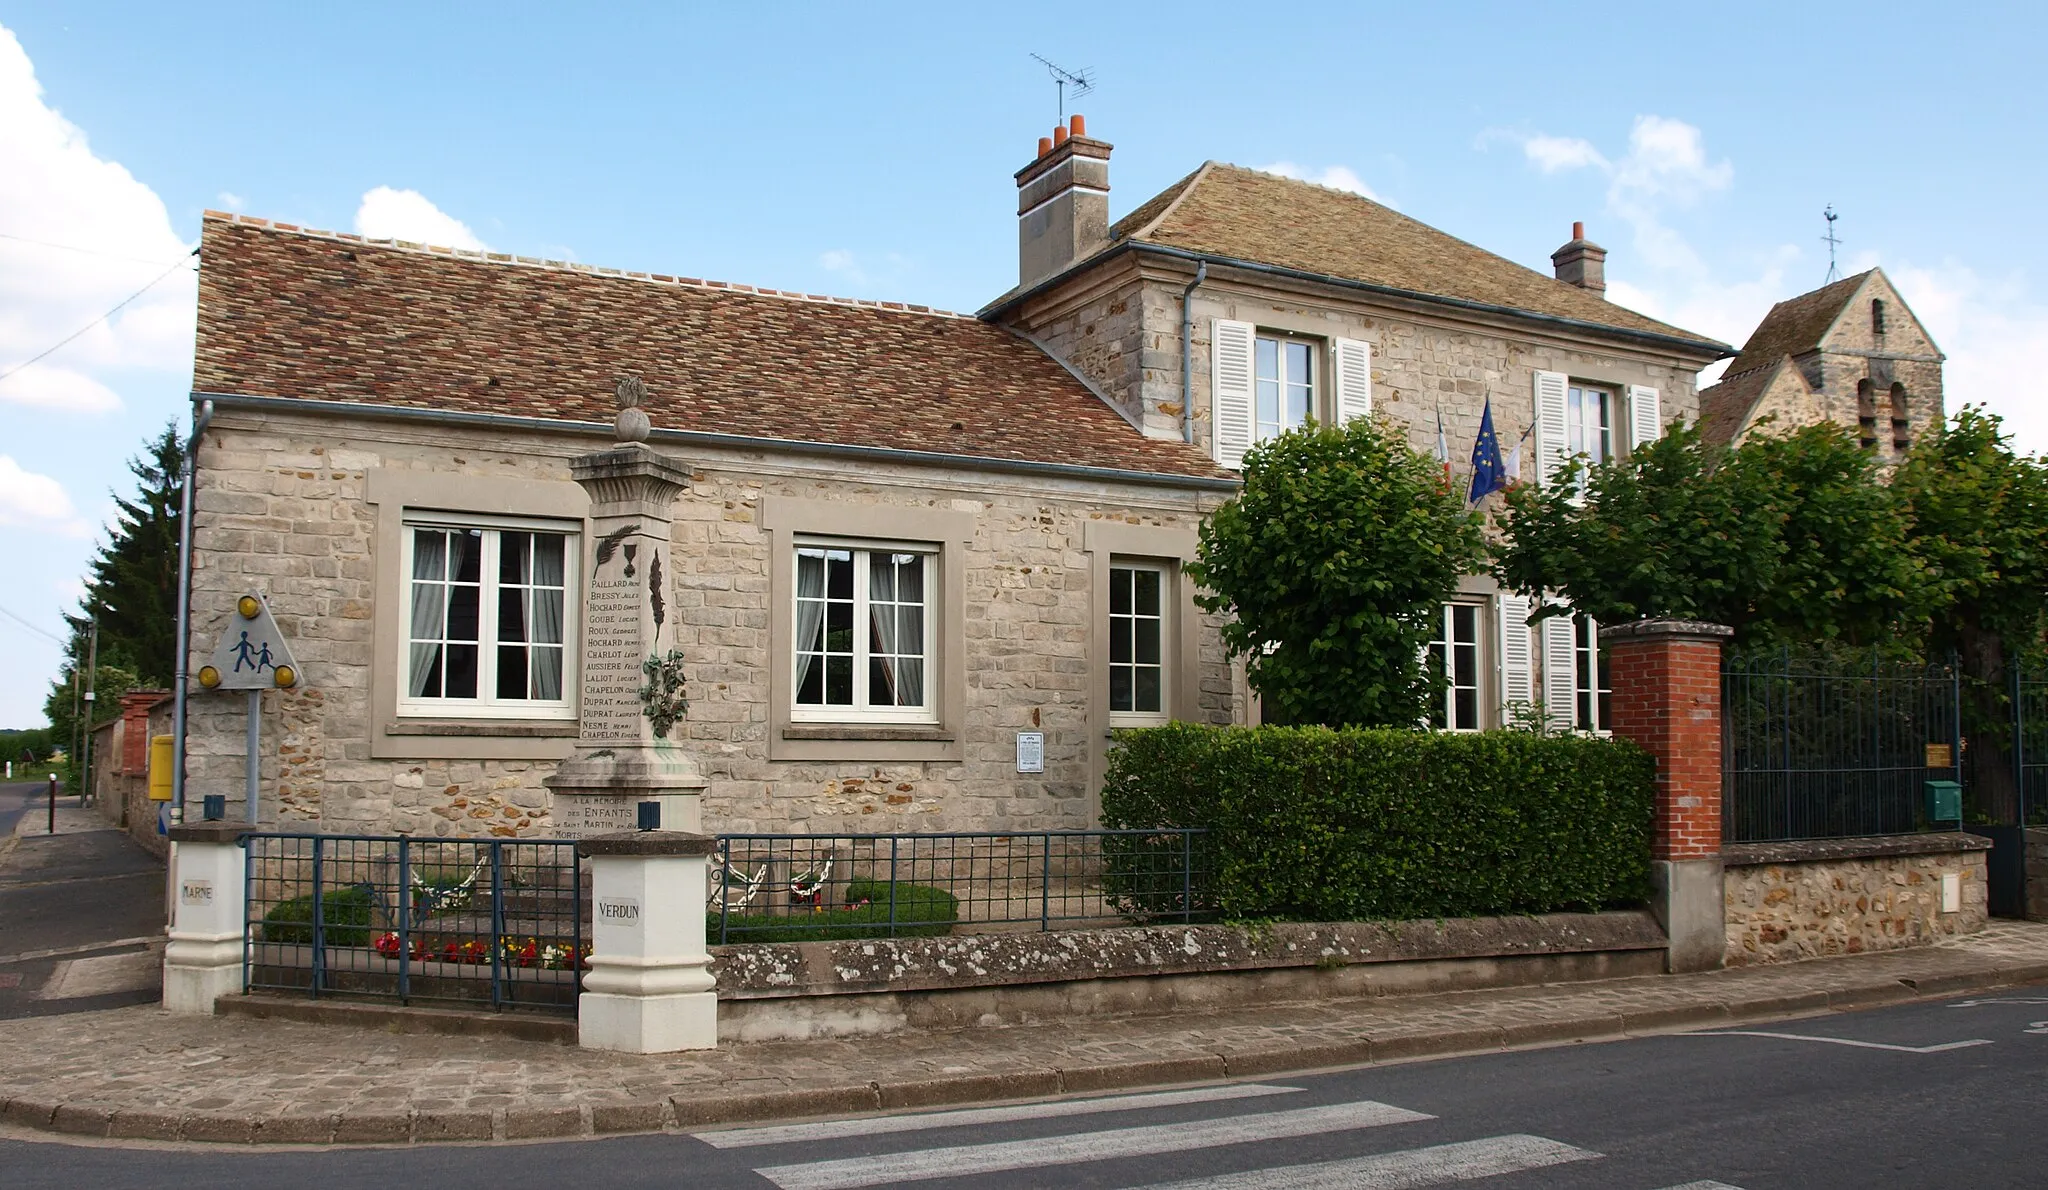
(252, 653)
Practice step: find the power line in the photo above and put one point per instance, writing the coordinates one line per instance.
(75, 248)
(102, 318)
(31, 627)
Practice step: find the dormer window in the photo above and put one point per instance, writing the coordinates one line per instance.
(1286, 385)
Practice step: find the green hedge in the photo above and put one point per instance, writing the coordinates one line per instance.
(346, 915)
(921, 912)
(1311, 824)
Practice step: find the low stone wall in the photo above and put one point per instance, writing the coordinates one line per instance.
(1807, 899)
(2037, 873)
(822, 989)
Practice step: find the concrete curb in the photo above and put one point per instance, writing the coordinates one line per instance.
(684, 1112)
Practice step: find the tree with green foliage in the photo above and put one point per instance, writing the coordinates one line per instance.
(1333, 562)
(1977, 526)
(1787, 537)
(131, 590)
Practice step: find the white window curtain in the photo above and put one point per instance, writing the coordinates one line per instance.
(548, 572)
(429, 607)
(810, 613)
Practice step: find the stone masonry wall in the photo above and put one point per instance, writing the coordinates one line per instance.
(280, 508)
(1123, 332)
(1779, 912)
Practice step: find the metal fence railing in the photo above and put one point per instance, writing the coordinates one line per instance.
(791, 888)
(1835, 744)
(498, 922)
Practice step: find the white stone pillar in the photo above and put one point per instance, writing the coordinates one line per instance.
(203, 959)
(649, 989)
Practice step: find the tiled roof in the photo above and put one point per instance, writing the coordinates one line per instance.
(1244, 214)
(325, 316)
(1796, 325)
(1725, 407)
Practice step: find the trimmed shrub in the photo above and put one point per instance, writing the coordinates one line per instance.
(346, 914)
(1314, 824)
(921, 912)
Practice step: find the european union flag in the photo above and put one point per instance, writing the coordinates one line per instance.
(1489, 474)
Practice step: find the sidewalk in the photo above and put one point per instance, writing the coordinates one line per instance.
(141, 1073)
(81, 915)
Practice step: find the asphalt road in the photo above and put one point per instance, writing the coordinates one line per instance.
(1891, 1097)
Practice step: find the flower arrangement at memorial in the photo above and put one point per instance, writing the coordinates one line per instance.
(515, 952)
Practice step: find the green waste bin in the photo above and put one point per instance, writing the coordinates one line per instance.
(1944, 801)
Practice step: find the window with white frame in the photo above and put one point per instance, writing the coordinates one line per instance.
(863, 633)
(488, 618)
(1137, 643)
(1589, 424)
(1455, 655)
(1284, 375)
(1595, 691)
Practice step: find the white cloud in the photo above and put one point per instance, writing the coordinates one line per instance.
(56, 191)
(1336, 177)
(388, 214)
(1554, 153)
(32, 501)
(231, 200)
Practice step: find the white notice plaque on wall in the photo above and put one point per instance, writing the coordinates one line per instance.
(1030, 751)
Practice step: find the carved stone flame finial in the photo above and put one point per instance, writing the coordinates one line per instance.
(632, 425)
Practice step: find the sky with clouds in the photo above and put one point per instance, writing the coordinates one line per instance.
(868, 150)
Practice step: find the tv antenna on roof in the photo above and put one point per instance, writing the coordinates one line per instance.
(1082, 81)
(1833, 242)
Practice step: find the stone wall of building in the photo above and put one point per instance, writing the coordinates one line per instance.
(1790, 901)
(282, 508)
(1424, 358)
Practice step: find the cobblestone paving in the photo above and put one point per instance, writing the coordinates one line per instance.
(139, 1072)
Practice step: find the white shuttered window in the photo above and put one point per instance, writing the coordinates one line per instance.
(1645, 415)
(1560, 673)
(1354, 379)
(1552, 389)
(1517, 664)
(1230, 389)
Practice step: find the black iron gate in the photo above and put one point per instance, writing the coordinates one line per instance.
(1831, 743)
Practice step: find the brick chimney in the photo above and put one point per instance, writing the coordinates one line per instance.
(1582, 262)
(1062, 202)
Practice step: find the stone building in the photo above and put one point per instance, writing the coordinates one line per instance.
(1851, 352)
(909, 536)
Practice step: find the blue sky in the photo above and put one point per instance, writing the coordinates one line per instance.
(868, 150)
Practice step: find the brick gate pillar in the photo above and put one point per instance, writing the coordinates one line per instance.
(1666, 678)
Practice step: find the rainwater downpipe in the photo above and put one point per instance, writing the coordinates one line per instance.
(183, 679)
(1187, 356)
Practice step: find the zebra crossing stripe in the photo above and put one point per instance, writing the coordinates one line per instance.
(1708, 1184)
(960, 1160)
(1432, 1166)
(739, 1138)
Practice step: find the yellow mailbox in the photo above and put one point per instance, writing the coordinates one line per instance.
(160, 761)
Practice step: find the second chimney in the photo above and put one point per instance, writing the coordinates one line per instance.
(1062, 202)
(1582, 262)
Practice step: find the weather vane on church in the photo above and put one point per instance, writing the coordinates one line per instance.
(1833, 242)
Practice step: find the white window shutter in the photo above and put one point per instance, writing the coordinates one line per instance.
(1354, 379)
(1230, 389)
(1560, 673)
(1550, 425)
(1517, 669)
(1645, 415)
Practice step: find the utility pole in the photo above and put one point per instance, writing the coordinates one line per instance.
(92, 666)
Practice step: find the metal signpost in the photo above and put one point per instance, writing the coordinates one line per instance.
(252, 655)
